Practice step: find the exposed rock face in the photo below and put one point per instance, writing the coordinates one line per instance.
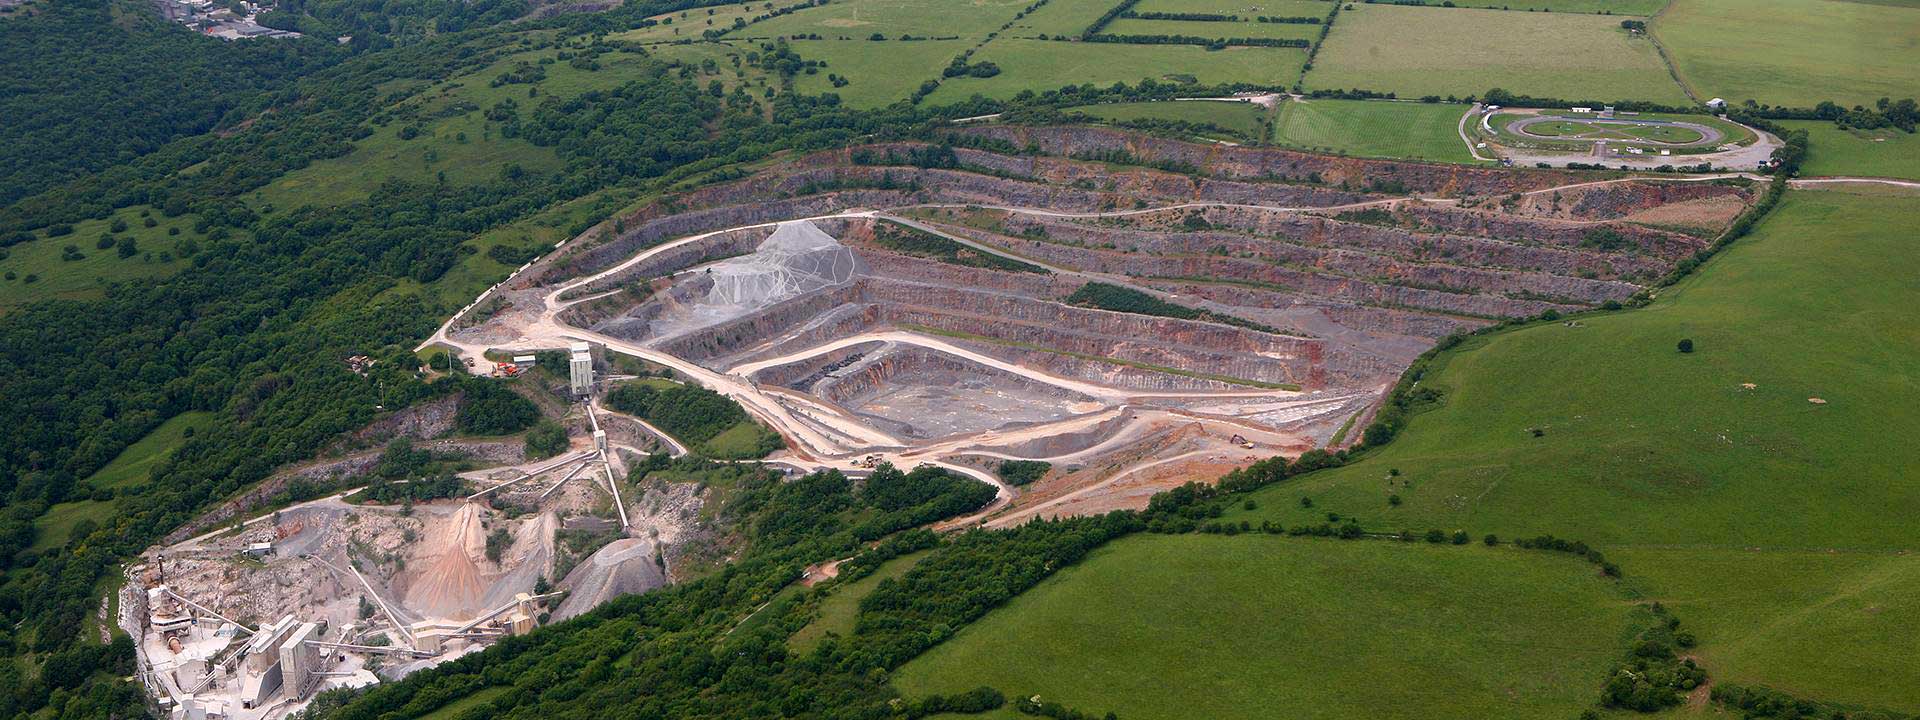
(1241, 162)
(1357, 277)
(801, 375)
(419, 421)
(663, 221)
(719, 245)
(493, 452)
(1614, 201)
(917, 392)
(1662, 244)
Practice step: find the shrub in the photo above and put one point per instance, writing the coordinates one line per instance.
(1022, 472)
(489, 408)
(545, 440)
(1686, 345)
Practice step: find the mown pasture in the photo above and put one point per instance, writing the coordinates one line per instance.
(1794, 52)
(1253, 625)
(1417, 51)
(1368, 128)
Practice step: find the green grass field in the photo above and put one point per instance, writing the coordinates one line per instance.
(1877, 153)
(1243, 29)
(1415, 51)
(159, 254)
(128, 469)
(841, 608)
(1059, 17)
(1834, 626)
(1848, 52)
(1645, 450)
(879, 73)
(1202, 626)
(1365, 128)
(1639, 8)
(1644, 445)
(1242, 8)
(459, 708)
(54, 528)
(740, 442)
(1245, 120)
(465, 146)
(857, 19)
(133, 464)
(693, 23)
(439, 149)
(1040, 65)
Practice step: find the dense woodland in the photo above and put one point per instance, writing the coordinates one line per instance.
(89, 84)
(690, 413)
(255, 330)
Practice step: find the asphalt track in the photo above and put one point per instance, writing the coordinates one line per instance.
(1710, 136)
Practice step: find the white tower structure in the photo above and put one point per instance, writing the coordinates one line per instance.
(580, 369)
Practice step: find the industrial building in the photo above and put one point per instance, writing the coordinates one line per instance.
(580, 369)
(199, 664)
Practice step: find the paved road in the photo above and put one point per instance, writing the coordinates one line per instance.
(1741, 159)
(1708, 135)
(822, 436)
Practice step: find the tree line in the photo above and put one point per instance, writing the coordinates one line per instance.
(1207, 42)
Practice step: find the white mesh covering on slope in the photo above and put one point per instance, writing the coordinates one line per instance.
(798, 258)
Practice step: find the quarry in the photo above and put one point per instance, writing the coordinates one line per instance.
(1138, 312)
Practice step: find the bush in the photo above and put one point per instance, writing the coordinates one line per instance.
(546, 440)
(908, 499)
(1023, 472)
(692, 414)
(489, 408)
(1685, 345)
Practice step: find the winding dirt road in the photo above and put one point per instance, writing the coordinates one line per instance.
(820, 435)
